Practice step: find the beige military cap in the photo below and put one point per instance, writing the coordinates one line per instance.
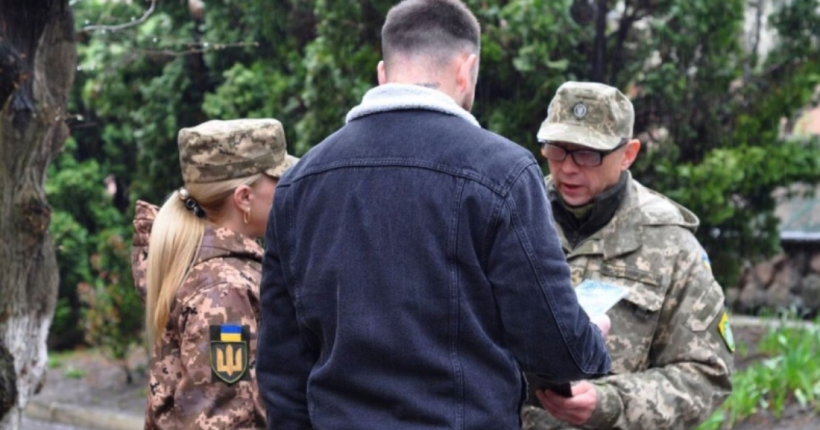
(589, 114)
(221, 150)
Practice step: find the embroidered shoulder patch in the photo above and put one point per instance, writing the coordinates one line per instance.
(725, 330)
(229, 352)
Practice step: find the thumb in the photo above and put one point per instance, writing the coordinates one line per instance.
(603, 322)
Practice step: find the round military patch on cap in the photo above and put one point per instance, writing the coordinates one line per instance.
(579, 110)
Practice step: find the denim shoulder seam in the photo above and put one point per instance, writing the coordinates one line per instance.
(515, 174)
(455, 283)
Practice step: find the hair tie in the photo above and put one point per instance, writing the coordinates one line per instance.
(190, 203)
(183, 194)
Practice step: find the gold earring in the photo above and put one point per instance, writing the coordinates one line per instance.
(246, 216)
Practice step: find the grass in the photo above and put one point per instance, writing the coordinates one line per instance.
(56, 359)
(789, 373)
(74, 373)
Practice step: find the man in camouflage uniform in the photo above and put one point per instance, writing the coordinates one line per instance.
(670, 341)
(203, 372)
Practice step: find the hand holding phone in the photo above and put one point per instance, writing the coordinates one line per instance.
(540, 383)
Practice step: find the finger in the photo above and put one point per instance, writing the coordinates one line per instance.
(554, 399)
(552, 403)
(581, 387)
(566, 416)
(575, 410)
(546, 398)
(556, 412)
(557, 400)
(603, 322)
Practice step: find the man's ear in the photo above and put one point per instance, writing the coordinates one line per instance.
(465, 78)
(382, 74)
(633, 147)
(242, 198)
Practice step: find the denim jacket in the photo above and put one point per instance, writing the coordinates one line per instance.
(411, 273)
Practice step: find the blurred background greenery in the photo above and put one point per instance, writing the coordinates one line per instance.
(715, 84)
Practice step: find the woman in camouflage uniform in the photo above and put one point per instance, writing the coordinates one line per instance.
(201, 277)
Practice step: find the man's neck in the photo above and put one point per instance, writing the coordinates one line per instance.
(421, 72)
(425, 82)
(431, 85)
(580, 222)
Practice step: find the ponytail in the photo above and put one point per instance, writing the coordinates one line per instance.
(175, 240)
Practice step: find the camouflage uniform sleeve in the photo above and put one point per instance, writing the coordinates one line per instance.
(144, 215)
(209, 402)
(691, 362)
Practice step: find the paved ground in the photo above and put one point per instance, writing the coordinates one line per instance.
(29, 424)
(78, 416)
(84, 389)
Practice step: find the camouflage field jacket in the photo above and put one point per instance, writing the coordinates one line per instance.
(202, 372)
(670, 341)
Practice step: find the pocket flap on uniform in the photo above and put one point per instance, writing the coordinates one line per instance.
(631, 273)
(643, 286)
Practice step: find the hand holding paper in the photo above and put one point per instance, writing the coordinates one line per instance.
(603, 323)
(597, 297)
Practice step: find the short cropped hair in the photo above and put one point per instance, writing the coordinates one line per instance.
(438, 29)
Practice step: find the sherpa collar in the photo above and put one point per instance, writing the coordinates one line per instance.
(390, 97)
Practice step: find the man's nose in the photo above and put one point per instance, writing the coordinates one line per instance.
(569, 165)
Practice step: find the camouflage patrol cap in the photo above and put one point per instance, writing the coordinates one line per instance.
(220, 150)
(589, 114)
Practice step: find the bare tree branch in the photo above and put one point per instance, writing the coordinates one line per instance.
(599, 53)
(627, 20)
(205, 48)
(119, 27)
(138, 53)
(755, 40)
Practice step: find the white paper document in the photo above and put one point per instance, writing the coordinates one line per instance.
(597, 297)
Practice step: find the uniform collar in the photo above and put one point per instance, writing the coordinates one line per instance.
(641, 208)
(597, 215)
(218, 242)
(618, 237)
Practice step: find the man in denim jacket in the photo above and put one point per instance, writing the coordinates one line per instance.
(411, 270)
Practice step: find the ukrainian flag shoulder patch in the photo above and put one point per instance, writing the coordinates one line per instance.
(704, 258)
(230, 333)
(229, 352)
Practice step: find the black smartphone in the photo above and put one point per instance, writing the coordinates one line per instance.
(563, 389)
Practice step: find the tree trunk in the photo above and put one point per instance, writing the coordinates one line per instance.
(37, 62)
(8, 381)
(598, 73)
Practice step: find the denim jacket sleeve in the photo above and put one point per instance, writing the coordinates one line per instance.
(284, 359)
(545, 327)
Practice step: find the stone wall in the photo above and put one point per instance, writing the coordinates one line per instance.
(788, 281)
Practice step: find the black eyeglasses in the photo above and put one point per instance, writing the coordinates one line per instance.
(581, 157)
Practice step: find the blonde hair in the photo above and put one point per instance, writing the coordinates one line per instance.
(175, 239)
